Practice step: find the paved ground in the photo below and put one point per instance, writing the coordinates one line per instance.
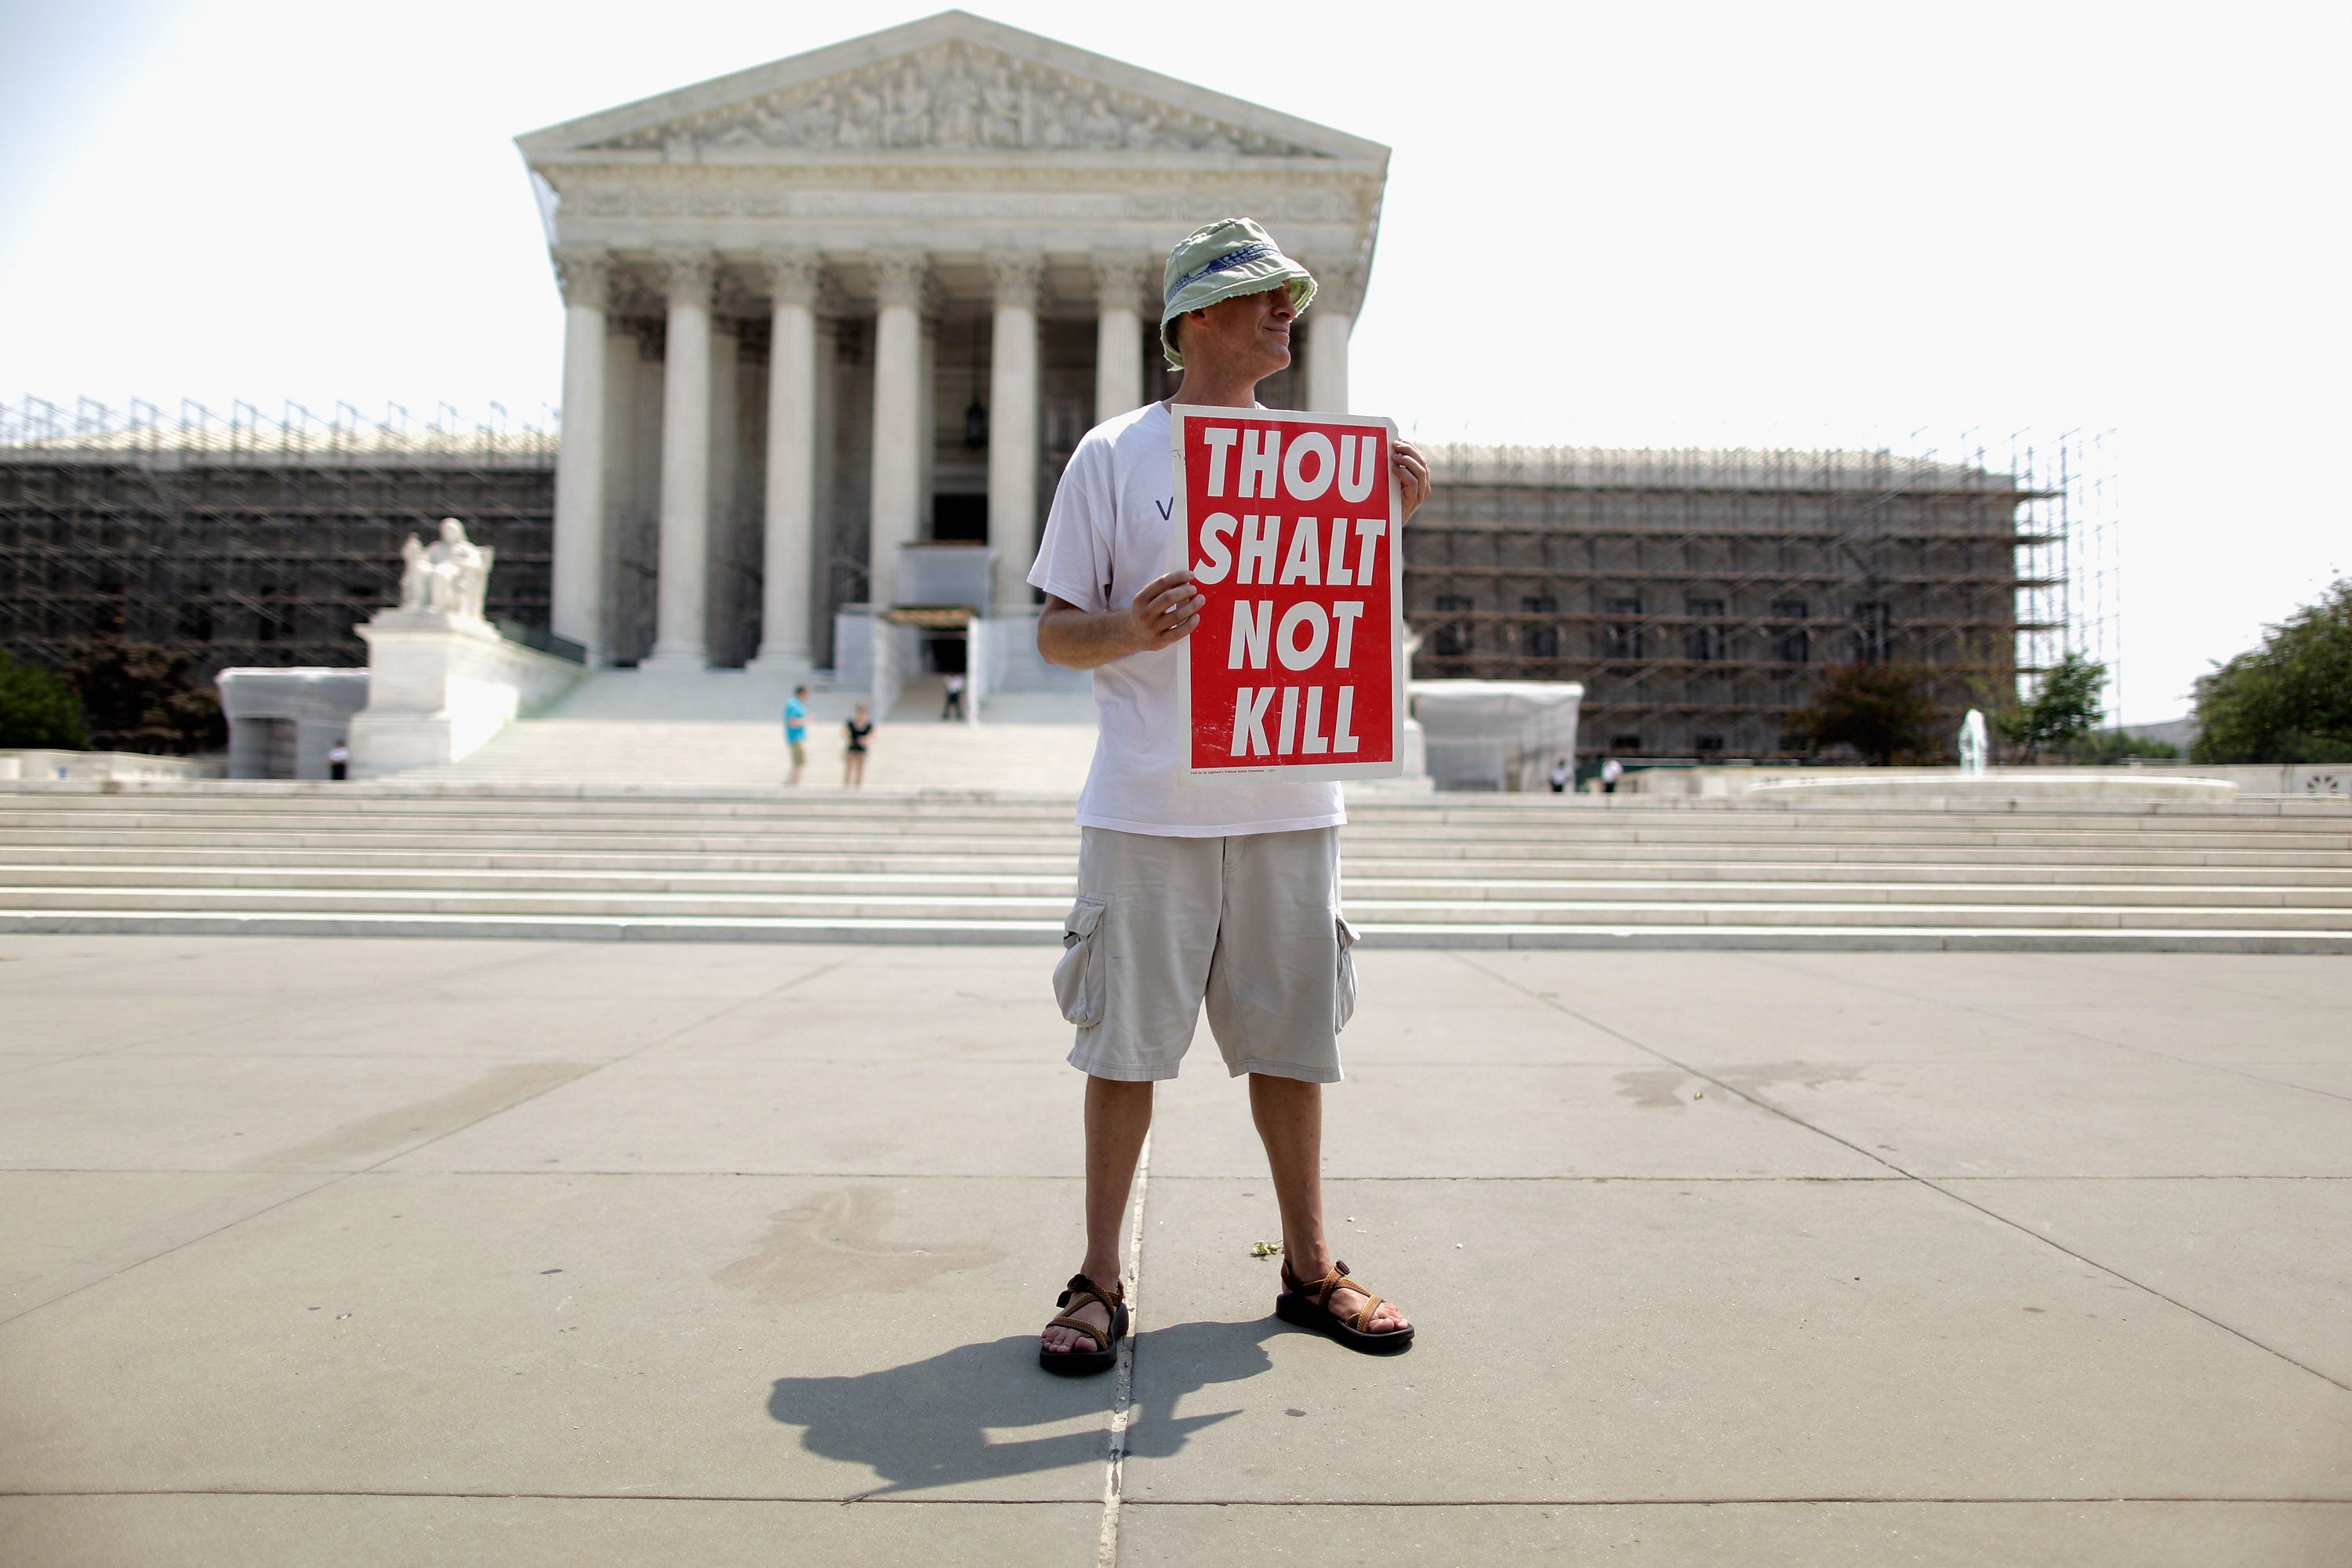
(479, 1252)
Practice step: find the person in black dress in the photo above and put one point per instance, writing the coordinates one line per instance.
(853, 756)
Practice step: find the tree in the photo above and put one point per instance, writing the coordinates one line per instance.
(2061, 713)
(2289, 700)
(36, 708)
(138, 698)
(1882, 710)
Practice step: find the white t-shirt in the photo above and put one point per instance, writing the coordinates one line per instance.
(1110, 532)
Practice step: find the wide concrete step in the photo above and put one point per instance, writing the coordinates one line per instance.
(934, 904)
(2323, 830)
(1428, 838)
(1922, 938)
(1060, 859)
(1055, 880)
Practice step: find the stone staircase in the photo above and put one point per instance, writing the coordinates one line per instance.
(539, 859)
(624, 729)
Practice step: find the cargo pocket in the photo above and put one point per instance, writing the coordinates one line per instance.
(1343, 994)
(1078, 978)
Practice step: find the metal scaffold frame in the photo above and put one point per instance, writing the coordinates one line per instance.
(252, 539)
(1699, 594)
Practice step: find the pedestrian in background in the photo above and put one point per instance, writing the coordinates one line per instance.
(853, 756)
(339, 761)
(796, 732)
(954, 707)
(1559, 775)
(1611, 770)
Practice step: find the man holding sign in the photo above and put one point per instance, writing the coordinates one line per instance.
(1229, 573)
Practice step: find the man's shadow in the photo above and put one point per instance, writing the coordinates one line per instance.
(928, 1422)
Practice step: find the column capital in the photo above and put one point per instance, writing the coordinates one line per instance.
(584, 273)
(794, 277)
(690, 275)
(1120, 280)
(900, 276)
(1339, 285)
(1019, 276)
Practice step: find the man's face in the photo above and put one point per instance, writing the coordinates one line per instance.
(1249, 333)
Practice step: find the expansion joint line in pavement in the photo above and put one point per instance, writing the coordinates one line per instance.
(1122, 1388)
(1929, 1183)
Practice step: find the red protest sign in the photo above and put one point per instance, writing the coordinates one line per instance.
(1288, 522)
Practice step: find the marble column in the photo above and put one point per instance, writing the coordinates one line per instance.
(579, 611)
(1012, 393)
(896, 494)
(724, 608)
(682, 596)
(1119, 335)
(1330, 322)
(790, 522)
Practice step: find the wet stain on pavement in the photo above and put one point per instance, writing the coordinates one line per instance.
(390, 1130)
(831, 1245)
(1770, 1075)
(1653, 1088)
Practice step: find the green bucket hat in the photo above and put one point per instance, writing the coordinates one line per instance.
(1230, 257)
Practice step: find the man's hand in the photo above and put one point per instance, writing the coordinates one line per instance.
(1412, 476)
(1163, 614)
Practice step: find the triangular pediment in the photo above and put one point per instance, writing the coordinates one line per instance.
(953, 84)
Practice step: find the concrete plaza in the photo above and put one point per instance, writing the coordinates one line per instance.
(384, 1251)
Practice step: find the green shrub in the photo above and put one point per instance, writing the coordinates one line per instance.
(1882, 710)
(2063, 711)
(36, 708)
(138, 698)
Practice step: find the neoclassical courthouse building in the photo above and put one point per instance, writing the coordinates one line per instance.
(871, 296)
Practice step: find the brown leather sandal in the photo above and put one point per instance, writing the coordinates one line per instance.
(1083, 1292)
(1309, 1307)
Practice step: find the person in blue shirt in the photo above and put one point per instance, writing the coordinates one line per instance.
(796, 732)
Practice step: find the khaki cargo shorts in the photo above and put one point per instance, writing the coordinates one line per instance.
(1250, 924)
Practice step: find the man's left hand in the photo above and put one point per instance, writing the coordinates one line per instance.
(1412, 476)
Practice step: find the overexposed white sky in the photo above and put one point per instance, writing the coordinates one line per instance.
(1652, 225)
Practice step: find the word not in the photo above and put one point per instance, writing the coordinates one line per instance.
(1252, 636)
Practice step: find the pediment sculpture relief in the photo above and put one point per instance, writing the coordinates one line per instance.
(958, 97)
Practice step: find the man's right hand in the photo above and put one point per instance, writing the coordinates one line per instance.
(1165, 613)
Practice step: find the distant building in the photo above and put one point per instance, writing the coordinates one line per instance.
(252, 541)
(1699, 595)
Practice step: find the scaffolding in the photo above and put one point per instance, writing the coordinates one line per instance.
(248, 540)
(1699, 595)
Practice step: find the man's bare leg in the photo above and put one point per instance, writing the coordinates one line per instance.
(1289, 1116)
(1118, 1117)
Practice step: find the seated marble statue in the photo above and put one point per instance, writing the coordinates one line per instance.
(451, 575)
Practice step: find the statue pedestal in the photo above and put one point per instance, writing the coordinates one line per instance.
(441, 684)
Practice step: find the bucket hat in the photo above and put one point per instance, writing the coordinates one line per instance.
(1224, 260)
